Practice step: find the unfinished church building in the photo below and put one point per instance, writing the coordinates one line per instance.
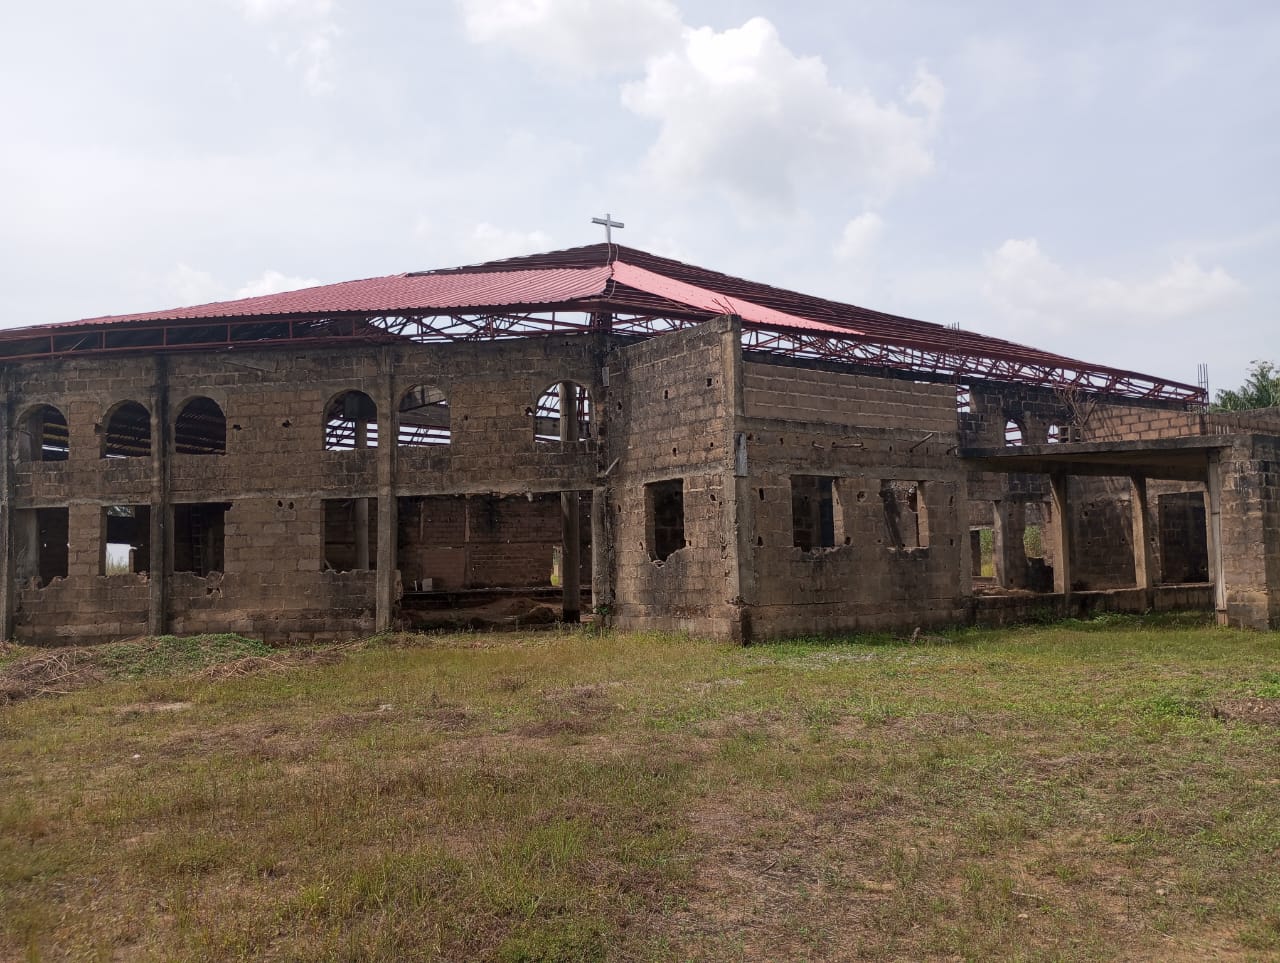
(611, 432)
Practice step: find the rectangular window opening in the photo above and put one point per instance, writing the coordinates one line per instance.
(813, 512)
(126, 540)
(664, 518)
(40, 543)
(350, 534)
(982, 542)
(198, 537)
(905, 513)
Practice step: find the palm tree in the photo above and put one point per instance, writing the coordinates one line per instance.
(1261, 389)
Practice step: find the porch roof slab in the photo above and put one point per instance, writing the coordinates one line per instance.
(1172, 459)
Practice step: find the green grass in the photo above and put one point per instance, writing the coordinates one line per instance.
(1056, 792)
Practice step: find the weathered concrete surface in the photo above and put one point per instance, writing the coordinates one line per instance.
(728, 495)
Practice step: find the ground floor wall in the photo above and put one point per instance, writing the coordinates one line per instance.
(1014, 609)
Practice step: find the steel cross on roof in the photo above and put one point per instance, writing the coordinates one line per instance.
(608, 223)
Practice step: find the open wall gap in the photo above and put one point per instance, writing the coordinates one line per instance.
(905, 513)
(486, 559)
(813, 512)
(664, 518)
(126, 539)
(350, 534)
(41, 543)
(44, 436)
(198, 537)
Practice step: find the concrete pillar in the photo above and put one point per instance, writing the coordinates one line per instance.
(1213, 532)
(30, 443)
(8, 595)
(25, 527)
(1061, 523)
(362, 504)
(1010, 554)
(1144, 565)
(388, 507)
(975, 553)
(571, 560)
(601, 594)
(161, 523)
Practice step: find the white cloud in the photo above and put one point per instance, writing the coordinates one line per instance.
(928, 93)
(264, 10)
(738, 110)
(859, 237)
(489, 243)
(304, 34)
(1000, 71)
(192, 286)
(189, 286)
(273, 282)
(576, 36)
(1031, 289)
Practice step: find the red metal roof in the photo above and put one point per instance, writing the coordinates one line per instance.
(597, 279)
(394, 294)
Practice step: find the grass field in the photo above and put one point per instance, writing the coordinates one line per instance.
(1094, 790)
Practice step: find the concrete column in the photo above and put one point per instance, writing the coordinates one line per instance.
(161, 523)
(737, 515)
(388, 507)
(1144, 565)
(571, 561)
(1061, 524)
(24, 524)
(1010, 554)
(975, 554)
(8, 595)
(1214, 537)
(362, 504)
(601, 594)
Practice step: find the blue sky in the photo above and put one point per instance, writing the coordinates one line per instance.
(1099, 179)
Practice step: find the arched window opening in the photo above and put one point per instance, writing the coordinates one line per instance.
(128, 432)
(44, 435)
(549, 423)
(964, 402)
(424, 417)
(1055, 434)
(1013, 433)
(350, 422)
(200, 429)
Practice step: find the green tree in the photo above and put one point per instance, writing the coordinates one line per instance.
(1261, 389)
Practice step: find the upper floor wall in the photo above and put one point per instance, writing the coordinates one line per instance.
(279, 412)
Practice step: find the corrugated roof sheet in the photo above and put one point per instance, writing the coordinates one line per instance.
(396, 293)
(598, 278)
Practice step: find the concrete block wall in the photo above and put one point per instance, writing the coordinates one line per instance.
(687, 405)
(672, 402)
(866, 580)
(1101, 533)
(275, 472)
(1179, 543)
(791, 392)
(1144, 423)
(1250, 518)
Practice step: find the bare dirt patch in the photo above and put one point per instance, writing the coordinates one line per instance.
(151, 708)
(1258, 711)
(576, 711)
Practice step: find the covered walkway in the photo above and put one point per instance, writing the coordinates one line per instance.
(1242, 508)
